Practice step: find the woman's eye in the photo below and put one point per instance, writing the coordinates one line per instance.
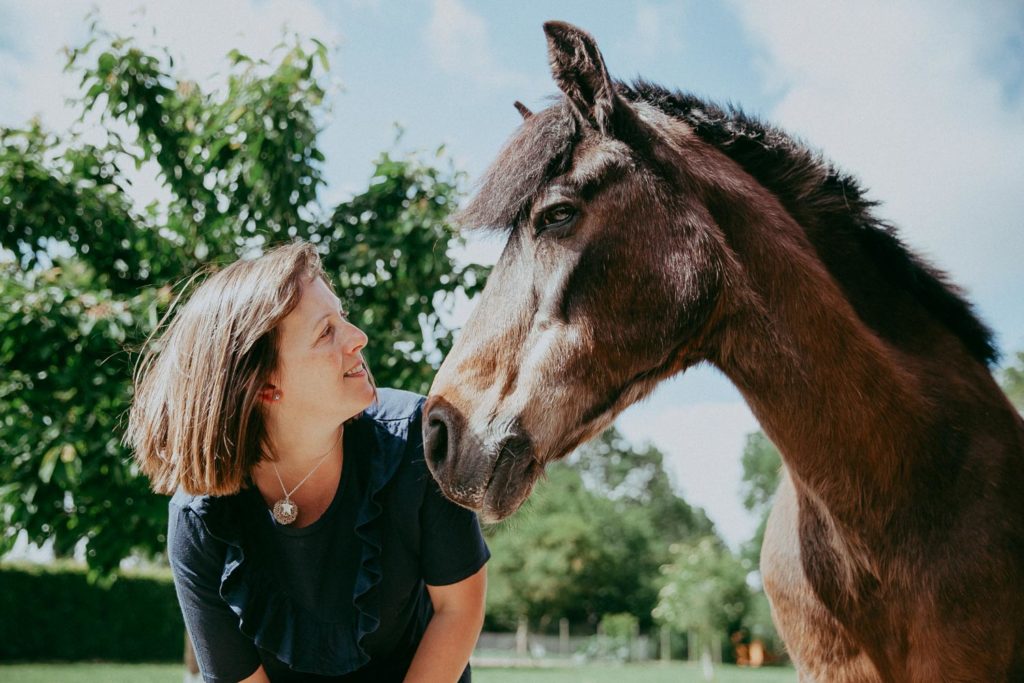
(557, 216)
(327, 331)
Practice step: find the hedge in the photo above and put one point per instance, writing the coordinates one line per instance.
(54, 613)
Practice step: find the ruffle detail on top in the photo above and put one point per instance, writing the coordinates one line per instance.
(270, 616)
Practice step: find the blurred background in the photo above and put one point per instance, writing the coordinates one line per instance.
(142, 140)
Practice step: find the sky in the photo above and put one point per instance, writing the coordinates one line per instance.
(922, 100)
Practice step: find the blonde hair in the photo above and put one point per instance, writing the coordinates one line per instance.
(196, 420)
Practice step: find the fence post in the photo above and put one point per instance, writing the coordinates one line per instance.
(522, 636)
(563, 637)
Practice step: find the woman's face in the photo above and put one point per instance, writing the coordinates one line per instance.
(320, 370)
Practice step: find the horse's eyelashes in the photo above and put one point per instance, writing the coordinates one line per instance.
(558, 216)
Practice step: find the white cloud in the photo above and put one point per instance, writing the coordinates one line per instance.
(655, 30)
(905, 96)
(33, 82)
(365, 5)
(703, 443)
(458, 40)
(200, 33)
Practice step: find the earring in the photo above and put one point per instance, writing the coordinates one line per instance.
(277, 395)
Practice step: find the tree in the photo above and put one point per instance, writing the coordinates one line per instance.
(705, 591)
(590, 540)
(88, 273)
(635, 477)
(762, 467)
(570, 553)
(1013, 382)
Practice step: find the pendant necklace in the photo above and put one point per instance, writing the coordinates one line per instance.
(285, 510)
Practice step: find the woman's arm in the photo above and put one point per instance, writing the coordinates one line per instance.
(452, 632)
(259, 676)
(197, 562)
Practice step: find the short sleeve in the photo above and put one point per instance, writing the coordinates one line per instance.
(452, 548)
(197, 562)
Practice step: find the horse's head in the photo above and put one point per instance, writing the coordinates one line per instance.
(609, 282)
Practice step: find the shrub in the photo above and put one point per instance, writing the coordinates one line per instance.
(55, 613)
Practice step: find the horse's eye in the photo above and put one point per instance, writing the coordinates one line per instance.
(557, 216)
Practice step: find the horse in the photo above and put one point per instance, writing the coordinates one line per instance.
(648, 231)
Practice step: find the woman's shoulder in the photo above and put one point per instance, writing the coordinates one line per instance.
(200, 505)
(394, 425)
(183, 502)
(202, 517)
(395, 405)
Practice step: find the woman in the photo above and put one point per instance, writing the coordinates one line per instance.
(306, 537)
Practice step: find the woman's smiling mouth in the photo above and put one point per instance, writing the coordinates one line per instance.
(358, 371)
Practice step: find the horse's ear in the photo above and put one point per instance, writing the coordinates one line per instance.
(578, 68)
(523, 110)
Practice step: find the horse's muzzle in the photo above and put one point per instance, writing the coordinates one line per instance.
(491, 479)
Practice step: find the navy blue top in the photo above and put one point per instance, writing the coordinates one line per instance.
(343, 599)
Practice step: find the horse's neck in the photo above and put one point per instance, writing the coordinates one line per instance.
(846, 409)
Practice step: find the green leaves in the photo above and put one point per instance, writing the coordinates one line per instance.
(105, 64)
(1013, 382)
(570, 553)
(62, 393)
(705, 588)
(591, 539)
(762, 467)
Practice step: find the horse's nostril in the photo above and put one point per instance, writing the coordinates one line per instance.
(435, 443)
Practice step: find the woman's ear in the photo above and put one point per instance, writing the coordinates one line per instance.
(270, 393)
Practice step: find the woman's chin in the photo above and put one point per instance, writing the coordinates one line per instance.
(362, 395)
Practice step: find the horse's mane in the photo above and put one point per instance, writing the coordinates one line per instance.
(811, 188)
(812, 191)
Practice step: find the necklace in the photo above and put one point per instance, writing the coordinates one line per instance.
(285, 510)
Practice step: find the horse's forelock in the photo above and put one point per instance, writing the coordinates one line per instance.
(538, 151)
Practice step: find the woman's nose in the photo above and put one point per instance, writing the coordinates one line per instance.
(354, 339)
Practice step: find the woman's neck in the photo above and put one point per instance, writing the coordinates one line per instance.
(306, 468)
(298, 449)
(297, 444)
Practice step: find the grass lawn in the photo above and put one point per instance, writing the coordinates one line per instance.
(634, 673)
(591, 673)
(90, 673)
